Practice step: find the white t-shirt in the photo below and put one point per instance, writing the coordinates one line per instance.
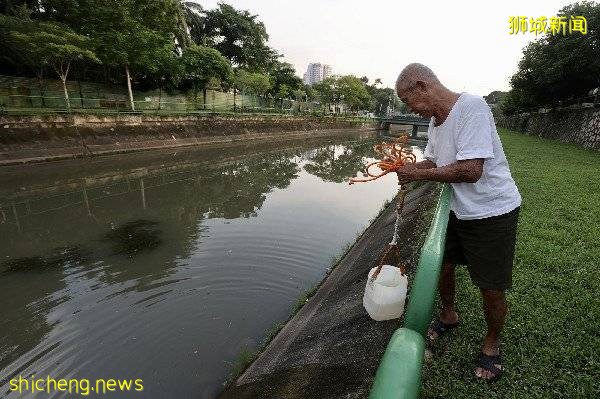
(469, 132)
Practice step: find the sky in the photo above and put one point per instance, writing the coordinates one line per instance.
(466, 43)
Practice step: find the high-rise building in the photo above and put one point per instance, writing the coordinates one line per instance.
(327, 71)
(316, 72)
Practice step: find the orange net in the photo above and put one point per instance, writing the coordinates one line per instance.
(393, 157)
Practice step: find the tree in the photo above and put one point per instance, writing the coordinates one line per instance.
(353, 92)
(299, 95)
(201, 64)
(193, 22)
(136, 35)
(189, 16)
(238, 35)
(327, 91)
(17, 53)
(254, 82)
(283, 73)
(58, 46)
(558, 68)
(311, 93)
(283, 93)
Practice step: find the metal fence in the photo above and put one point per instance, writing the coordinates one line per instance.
(33, 105)
(27, 96)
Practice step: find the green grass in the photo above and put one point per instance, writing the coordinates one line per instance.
(551, 343)
(244, 359)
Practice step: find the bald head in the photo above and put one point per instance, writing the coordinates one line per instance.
(413, 73)
(419, 88)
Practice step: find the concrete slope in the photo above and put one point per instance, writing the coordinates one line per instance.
(331, 348)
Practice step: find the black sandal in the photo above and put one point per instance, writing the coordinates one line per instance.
(441, 328)
(489, 363)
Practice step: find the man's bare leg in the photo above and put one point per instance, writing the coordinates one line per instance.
(446, 288)
(495, 309)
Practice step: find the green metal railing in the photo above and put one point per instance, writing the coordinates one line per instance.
(399, 373)
(223, 103)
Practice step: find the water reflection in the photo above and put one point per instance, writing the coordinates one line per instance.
(336, 163)
(60, 257)
(134, 236)
(162, 266)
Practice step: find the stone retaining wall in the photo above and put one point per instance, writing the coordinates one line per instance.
(46, 137)
(580, 126)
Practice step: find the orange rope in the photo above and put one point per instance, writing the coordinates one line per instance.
(394, 156)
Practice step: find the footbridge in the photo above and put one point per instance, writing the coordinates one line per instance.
(410, 120)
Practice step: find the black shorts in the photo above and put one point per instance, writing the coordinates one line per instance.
(486, 246)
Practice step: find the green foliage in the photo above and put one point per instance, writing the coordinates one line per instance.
(283, 92)
(311, 93)
(58, 46)
(201, 64)
(558, 69)
(41, 44)
(382, 98)
(160, 43)
(192, 22)
(133, 33)
(347, 89)
(353, 93)
(238, 35)
(16, 48)
(253, 82)
(326, 91)
(245, 358)
(299, 94)
(283, 73)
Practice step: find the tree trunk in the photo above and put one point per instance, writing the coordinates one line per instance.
(204, 98)
(234, 99)
(129, 88)
(80, 93)
(40, 79)
(159, 95)
(64, 83)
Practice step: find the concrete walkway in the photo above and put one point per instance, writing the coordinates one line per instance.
(331, 348)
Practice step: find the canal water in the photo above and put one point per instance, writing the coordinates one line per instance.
(169, 267)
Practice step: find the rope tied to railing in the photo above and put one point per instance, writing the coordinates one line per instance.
(394, 156)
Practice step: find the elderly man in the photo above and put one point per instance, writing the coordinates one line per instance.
(464, 149)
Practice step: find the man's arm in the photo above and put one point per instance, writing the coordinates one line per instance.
(425, 164)
(464, 171)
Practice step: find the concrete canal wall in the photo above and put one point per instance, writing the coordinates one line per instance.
(331, 348)
(580, 126)
(47, 137)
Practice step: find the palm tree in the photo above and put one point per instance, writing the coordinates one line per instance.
(191, 21)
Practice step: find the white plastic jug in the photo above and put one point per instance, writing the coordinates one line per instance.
(384, 297)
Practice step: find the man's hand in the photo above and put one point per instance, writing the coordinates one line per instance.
(464, 171)
(407, 173)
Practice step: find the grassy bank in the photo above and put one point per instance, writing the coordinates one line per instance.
(551, 344)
